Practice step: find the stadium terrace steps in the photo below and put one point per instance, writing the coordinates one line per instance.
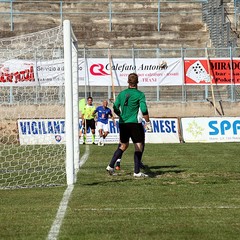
(138, 38)
(132, 23)
(180, 23)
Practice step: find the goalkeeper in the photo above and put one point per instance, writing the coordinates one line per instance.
(127, 106)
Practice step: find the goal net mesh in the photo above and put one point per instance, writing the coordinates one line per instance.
(32, 111)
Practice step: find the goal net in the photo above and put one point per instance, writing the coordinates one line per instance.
(38, 86)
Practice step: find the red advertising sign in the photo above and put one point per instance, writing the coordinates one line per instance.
(219, 71)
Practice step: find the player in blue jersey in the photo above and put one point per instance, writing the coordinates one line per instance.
(103, 113)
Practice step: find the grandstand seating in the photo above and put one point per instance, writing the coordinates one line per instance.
(122, 24)
(131, 23)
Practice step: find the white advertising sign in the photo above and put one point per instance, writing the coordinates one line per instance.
(41, 131)
(17, 73)
(52, 131)
(93, 72)
(165, 130)
(151, 71)
(211, 129)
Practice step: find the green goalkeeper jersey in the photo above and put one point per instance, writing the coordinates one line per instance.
(128, 104)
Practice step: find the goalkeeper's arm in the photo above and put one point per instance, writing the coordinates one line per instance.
(148, 125)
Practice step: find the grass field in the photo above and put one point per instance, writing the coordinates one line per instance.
(192, 193)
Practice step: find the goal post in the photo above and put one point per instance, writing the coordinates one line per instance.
(39, 122)
(71, 101)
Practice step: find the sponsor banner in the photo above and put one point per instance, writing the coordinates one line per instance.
(165, 130)
(151, 72)
(50, 73)
(17, 73)
(52, 131)
(211, 129)
(41, 131)
(32, 73)
(224, 71)
(96, 72)
(92, 72)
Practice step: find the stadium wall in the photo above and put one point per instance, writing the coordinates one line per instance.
(9, 131)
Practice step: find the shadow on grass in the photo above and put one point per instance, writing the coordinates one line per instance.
(148, 170)
(112, 180)
(153, 174)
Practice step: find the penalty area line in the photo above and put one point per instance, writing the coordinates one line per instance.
(55, 228)
(159, 208)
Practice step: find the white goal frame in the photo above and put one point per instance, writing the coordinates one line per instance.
(39, 129)
(71, 102)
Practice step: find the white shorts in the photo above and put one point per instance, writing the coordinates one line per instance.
(102, 126)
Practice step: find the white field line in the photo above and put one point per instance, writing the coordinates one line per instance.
(159, 208)
(54, 231)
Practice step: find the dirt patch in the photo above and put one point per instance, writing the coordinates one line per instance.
(8, 132)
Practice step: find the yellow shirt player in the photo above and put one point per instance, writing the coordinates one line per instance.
(88, 119)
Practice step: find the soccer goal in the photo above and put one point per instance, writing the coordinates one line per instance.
(39, 109)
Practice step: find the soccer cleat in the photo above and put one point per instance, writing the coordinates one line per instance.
(93, 143)
(118, 168)
(83, 143)
(110, 170)
(140, 175)
(101, 144)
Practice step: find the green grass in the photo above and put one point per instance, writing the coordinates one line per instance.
(192, 193)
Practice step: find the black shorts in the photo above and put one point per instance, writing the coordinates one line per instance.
(135, 131)
(90, 124)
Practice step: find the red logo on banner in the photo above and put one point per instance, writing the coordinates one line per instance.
(217, 71)
(18, 76)
(98, 70)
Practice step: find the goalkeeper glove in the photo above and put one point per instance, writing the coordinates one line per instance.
(148, 127)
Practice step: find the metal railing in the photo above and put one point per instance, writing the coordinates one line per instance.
(216, 17)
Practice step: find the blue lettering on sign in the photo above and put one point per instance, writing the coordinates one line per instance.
(56, 127)
(236, 126)
(34, 128)
(112, 128)
(50, 127)
(39, 127)
(164, 126)
(23, 127)
(212, 124)
(42, 127)
(223, 126)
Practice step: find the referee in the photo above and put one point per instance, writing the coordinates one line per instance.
(88, 119)
(129, 103)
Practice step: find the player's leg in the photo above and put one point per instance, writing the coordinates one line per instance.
(118, 162)
(105, 133)
(93, 127)
(86, 126)
(100, 131)
(100, 142)
(124, 138)
(137, 157)
(142, 166)
(137, 136)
